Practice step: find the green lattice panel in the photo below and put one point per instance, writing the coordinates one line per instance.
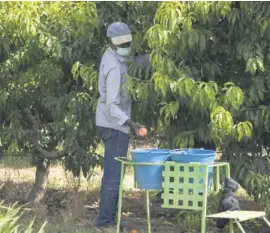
(184, 186)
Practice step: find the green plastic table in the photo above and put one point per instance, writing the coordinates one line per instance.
(185, 186)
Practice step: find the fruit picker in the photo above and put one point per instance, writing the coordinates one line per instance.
(113, 117)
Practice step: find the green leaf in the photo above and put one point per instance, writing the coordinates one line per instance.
(5, 45)
(260, 64)
(191, 141)
(202, 42)
(264, 26)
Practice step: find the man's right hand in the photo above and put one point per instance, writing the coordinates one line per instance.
(135, 126)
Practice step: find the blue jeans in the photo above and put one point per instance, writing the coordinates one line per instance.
(116, 145)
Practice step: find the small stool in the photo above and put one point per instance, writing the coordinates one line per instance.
(238, 216)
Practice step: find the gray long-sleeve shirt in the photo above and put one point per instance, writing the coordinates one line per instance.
(114, 103)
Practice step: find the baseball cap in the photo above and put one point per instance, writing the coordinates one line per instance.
(119, 33)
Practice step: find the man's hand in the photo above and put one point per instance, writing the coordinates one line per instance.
(135, 126)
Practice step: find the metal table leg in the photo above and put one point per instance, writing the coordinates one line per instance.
(120, 199)
(266, 221)
(148, 212)
(239, 226)
(231, 226)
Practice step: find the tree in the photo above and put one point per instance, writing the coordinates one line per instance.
(210, 84)
(50, 53)
(45, 110)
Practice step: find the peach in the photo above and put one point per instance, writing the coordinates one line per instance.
(143, 132)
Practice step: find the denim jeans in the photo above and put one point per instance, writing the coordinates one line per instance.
(116, 145)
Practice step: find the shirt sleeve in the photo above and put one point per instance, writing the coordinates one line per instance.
(113, 85)
(143, 60)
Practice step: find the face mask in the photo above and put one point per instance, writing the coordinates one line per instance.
(123, 51)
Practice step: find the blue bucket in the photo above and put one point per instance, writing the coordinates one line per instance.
(149, 177)
(197, 156)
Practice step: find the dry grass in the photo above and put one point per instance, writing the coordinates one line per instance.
(70, 204)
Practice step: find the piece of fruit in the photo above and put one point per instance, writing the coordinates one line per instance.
(143, 132)
(134, 231)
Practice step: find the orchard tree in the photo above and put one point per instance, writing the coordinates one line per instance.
(46, 109)
(49, 58)
(210, 85)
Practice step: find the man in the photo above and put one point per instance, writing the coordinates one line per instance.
(113, 117)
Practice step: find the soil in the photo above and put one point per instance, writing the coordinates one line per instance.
(59, 204)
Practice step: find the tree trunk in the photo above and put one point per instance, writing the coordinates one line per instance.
(38, 190)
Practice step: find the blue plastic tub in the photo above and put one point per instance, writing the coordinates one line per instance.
(149, 177)
(195, 155)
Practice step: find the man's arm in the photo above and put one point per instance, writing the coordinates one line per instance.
(113, 85)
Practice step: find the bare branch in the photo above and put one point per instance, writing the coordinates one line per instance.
(30, 119)
(48, 154)
(34, 125)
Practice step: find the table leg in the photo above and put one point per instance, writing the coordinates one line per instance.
(227, 170)
(148, 211)
(266, 221)
(231, 226)
(120, 199)
(203, 223)
(239, 226)
(217, 179)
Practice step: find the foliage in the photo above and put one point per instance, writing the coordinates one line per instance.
(9, 217)
(50, 53)
(210, 84)
(44, 107)
(184, 82)
(258, 186)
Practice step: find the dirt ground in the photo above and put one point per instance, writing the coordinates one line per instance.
(71, 205)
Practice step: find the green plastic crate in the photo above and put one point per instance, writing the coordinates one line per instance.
(184, 186)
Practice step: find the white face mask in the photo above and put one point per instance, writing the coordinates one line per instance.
(123, 51)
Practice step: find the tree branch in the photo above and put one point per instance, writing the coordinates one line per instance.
(48, 154)
(34, 125)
